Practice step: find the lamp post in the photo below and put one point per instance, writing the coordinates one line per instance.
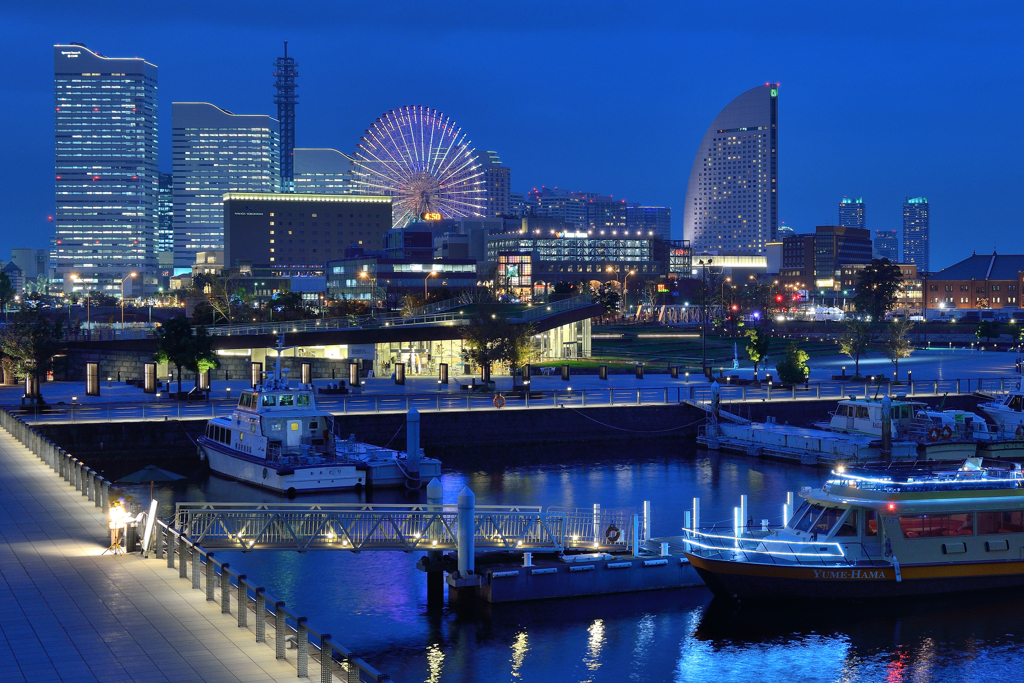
(625, 283)
(431, 274)
(130, 276)
(373, 291)
(615, 274)
(704, 318)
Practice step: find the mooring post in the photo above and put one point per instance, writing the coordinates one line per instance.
(696, 514)
(302, 648)
(435, 575)
(467, 532)
(412, 442)
(261, 615)
(280, 629)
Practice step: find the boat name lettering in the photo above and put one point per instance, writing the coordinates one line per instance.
(848, 574)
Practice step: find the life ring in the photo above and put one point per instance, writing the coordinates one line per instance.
(612, 533)
(933, 434)
(499, 400)
(947, 433)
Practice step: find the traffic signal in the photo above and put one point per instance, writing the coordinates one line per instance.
(778, 298)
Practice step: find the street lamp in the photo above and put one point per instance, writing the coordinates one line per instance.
(130, 275)
(625, 282)
(431, 274)
(88, 307)
(704, 318)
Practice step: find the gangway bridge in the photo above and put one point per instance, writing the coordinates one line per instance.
(359, 527)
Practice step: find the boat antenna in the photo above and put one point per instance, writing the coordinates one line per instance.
(277, 363)
(942, 403)
(878, 388)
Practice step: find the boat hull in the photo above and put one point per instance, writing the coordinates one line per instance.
(753, 581)
(298, 479)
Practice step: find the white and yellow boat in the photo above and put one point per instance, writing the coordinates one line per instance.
(879, 532)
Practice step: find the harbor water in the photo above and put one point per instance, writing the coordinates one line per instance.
(376, 602)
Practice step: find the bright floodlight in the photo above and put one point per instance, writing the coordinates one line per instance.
(421, 158)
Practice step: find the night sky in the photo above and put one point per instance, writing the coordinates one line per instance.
(881, 100)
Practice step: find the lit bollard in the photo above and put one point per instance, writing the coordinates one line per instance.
(261, 615)
(182, 554)
(243, 602)
(326, 660)
(225, 589)
(302, 651)
(197, 563)
(280, 629)
(209, 577)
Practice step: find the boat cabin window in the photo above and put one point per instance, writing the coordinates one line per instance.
(870, 522)
(1001, 522)
(269, 400)
(862, 412)
(842, 411)
(1015, 403)
(798, 514)
(929, 526)
(902, 412)
(302, 400)
(849, 525)
(313, 425)
(287, 400)
(827, 520)
(808, 519)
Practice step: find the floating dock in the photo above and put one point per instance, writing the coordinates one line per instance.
(800, 444)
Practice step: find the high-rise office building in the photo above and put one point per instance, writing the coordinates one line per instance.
(286, 70)
(835, 247)
(851, 213)
(605, 213)
(886, 245)
(165, 214)
(916, 233)
(216, 152)
(564, 205)
(498, 183)
(105, 128)
(732, 198)
(320, 170)
(649, 220)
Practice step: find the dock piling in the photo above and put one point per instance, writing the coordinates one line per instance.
(435, 575)
(467, 535)
(597, 523)
(696, 514)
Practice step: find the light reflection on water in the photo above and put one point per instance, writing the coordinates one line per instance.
(375, 603)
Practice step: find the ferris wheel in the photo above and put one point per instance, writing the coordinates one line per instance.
(421, 158)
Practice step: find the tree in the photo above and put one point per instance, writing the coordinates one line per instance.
(854, 341)
(896, 343)
(987, 330)
(200, 356)
(31, 342)
(757, 347)
(497, 340)
(793, 367)
(174, 344)
(6, 294)
(876, 288)
(608, 296)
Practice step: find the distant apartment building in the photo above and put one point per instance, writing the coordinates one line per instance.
(732, 194)
(106, 170)
(886, 245)
(320, 170)
(497, 180)
(215, 152)
(851, 213)
(916, 233)
(562, 205)
(605, 213)
(797, 269)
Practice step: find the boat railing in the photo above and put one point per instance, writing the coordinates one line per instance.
(725, 544)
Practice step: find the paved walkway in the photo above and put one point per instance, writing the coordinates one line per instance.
(68, 613)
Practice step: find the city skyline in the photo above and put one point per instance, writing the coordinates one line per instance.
(605, 147)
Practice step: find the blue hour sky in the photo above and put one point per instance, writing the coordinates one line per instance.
(880, 100)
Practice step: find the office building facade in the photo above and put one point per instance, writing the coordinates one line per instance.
(215, 152)
(165, 214)
(649, 220)
(732, 195)
(851, 213)
(916, 233)
(886, 245)
(978, 283)
(294, 232)
(562, 205)
(834, 247)
(320, 170)
(106, 163)
(498, 185)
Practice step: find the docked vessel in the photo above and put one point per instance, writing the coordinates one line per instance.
(276, 438)
(1007, 412)
(877, 532)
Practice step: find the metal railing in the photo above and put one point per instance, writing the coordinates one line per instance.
(464, 299)
(544, 310)
(440, 401)
(714, 543)
(221, 584)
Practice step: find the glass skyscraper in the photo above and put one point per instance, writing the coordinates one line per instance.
(165, 214)
(916, 233)
(732, 199)
(321, 170)
(851, 213)
(886, 245)
(105, 129)
(215, 152)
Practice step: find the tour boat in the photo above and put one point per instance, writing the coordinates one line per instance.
(879, 531)
(1007, 412)
(276, 438)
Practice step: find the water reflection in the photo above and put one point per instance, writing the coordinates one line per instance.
(595, 643)
(520, 646)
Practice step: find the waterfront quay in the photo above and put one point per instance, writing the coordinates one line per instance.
(71, 612)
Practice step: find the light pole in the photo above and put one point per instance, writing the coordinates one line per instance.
(88, 308)
(130, 276)
(431, 274)
(373, 292)
(704, 318)
(625, 284)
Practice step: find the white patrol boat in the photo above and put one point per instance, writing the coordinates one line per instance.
(1008, 412)
(276, 438)
(878, 532)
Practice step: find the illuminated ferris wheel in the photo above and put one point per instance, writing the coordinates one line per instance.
(421, 158)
